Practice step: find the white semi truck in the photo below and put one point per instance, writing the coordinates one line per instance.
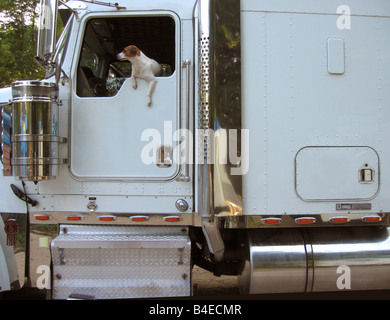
(265, 153)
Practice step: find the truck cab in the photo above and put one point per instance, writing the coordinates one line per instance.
(263, 154)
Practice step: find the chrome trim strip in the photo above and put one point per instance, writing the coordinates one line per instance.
(289, 221)
(91, 218)
(38, 138)
(219, 104)
(205, 181)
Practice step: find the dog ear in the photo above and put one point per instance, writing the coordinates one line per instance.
(126, 51)
(130, 51)
(135, 51)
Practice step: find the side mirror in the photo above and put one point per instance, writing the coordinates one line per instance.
(47, 32)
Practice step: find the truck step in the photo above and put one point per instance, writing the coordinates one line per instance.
(119, 262)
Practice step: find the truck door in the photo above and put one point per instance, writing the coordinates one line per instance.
(114, 134)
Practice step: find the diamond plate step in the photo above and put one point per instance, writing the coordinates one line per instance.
(121, 262)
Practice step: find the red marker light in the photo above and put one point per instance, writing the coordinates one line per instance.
(107, 218)
(172, 219)
(139, 218)
(270, 221)
(74, 218)
(372, 219)
(305, 220)
(42, 217)
(339, 220)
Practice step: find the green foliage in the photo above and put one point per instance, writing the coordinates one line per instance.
(18, 38)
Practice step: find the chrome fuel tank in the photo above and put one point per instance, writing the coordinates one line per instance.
(316, 260)
(34, 130)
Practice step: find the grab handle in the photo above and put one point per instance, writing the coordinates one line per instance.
(186, 175)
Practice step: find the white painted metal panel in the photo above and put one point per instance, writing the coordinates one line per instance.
(5, 94)
(8, 201)
(358, 7)
(116, 138)
(107, 133)
(254, 117)
(291, 101)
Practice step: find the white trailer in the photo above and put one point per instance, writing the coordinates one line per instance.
(263, 154)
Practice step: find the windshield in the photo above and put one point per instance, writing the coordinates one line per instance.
(60, 49)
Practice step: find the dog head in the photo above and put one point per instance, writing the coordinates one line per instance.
(129, 52)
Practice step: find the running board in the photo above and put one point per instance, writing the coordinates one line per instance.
(120, 262)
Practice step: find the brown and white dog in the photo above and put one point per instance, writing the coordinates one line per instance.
(142, 67)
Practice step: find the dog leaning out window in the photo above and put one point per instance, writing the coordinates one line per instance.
(146, 53)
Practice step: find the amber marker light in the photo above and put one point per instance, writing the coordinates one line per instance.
(139, 218)
(271, 221)
(372, 219)
(74, 218)
(107, 218)
(339, 220)
(305, 220)
(42, 217)
(172, 219)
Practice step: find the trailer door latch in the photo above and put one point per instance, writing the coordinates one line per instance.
(366, 174)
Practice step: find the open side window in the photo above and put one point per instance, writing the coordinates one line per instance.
(99, 73)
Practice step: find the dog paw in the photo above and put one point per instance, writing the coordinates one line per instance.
(134, 83)
(149, 102)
